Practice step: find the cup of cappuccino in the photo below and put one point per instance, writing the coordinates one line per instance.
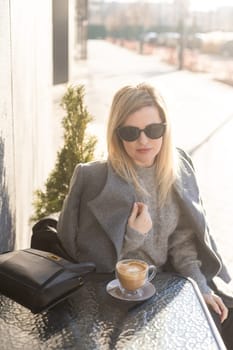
(132, 275)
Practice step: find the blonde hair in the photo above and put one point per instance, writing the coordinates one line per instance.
(126, 101)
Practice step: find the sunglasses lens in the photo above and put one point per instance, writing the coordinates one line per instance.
(128, 133)
(155, 131)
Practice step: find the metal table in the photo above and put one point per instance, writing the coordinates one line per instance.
(174, 318)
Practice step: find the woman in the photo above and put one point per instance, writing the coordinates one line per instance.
(143, 202)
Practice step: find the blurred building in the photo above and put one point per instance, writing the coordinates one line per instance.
(160, 15)
(224, 19)
(221, 19)
(118, 14)
(38, 45)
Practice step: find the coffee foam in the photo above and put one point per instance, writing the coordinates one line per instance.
(132, 267)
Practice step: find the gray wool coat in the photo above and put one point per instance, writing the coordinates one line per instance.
(94, 216)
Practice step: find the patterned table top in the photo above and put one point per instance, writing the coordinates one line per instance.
(174, 318)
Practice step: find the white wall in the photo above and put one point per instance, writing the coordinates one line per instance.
(7, 178)
(31, 37)
(26, 119)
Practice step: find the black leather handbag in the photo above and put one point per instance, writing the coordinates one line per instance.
(37, 279)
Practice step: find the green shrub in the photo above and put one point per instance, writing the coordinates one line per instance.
(78, 148)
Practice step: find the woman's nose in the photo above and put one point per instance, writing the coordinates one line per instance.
(143, 139)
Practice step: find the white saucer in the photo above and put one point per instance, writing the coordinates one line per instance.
(147, 291)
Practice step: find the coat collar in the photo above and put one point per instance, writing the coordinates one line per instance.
(113, 206)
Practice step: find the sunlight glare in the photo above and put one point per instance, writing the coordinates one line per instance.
(208, 5)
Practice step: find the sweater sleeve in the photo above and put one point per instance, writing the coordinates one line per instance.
(184, 257)
(132, 241)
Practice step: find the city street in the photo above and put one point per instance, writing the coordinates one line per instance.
(200, 108)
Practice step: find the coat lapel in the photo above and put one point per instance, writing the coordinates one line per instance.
(188, 193)
(113, 206)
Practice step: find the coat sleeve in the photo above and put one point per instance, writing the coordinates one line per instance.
(184, 256)
(68, 220)
(192, 191)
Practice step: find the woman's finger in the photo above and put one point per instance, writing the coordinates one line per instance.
(216, 303)
(134, 213)
(223, 308)
(141, 207)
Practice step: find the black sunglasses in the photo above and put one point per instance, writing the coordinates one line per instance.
(132, 133)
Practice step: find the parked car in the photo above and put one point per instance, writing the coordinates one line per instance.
(218, 42)
(150, 38)
(169, 39)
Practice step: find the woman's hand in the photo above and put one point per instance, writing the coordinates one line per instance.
(140, 219)
(216, 303)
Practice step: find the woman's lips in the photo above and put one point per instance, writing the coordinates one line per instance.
(143, 150)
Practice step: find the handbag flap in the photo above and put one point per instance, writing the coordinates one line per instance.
(29, 267)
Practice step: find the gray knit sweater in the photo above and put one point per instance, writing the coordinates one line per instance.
(170, 235)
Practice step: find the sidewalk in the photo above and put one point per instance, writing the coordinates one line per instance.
(193, 60)
(199, 108)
